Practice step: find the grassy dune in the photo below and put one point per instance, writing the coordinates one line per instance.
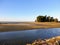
(28, 25)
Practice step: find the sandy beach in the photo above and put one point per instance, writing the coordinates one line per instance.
(28, 26)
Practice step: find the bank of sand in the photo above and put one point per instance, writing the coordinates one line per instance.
(28, 26)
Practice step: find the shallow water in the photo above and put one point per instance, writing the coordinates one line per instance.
(27, 36)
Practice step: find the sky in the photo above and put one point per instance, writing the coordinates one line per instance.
(28, 10)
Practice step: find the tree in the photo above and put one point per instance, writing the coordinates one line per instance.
(45, 19)
(52, 19)
(55, 20)
(40, 18)
(48, 19)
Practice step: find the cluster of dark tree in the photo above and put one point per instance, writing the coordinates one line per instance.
(46, 19)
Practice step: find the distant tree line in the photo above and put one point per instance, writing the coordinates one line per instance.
(46, 19)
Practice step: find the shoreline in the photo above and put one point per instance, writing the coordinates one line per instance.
(28, 26)
(49, 41)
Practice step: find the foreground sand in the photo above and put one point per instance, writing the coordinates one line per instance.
(28, 25)
(50, 41)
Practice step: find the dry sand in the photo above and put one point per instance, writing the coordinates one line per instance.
(28, 25)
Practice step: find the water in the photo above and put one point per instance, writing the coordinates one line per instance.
(27, 36)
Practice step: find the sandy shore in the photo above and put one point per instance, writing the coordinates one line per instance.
(28, 25)
(50, 41)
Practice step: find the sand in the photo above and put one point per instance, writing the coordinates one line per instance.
(28, 26)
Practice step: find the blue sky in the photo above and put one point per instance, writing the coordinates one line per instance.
(28, 10)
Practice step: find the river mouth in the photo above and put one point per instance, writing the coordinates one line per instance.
(27, 36)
